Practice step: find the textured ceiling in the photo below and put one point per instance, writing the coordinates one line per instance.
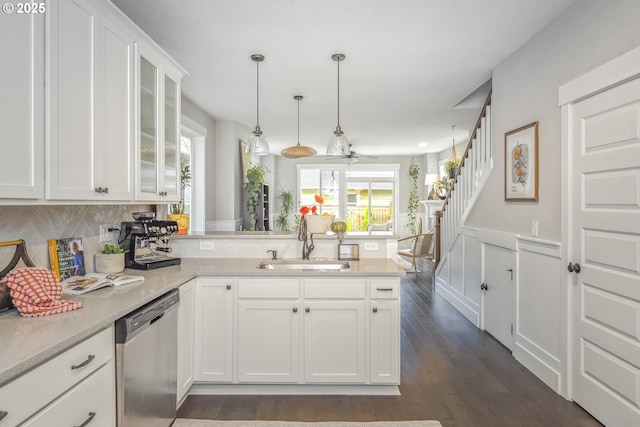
(408, 63)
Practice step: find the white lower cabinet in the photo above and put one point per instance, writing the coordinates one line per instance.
(285, 330)
(90, 403)
(334, 342)
(268, 348)
(186, 335)
(385, 331)
(66, 389)
(214, 330)
(385, 342)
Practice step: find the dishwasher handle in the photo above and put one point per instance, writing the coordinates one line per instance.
(130, 325)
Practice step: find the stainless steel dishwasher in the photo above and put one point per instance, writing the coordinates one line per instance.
(146, 364)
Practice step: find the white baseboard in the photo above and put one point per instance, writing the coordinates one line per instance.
(548, 375)
(293, 389)
(457, 300)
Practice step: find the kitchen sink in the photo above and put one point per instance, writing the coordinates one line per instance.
(304, 265)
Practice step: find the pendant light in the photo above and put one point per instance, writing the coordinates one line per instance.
(258, 145)
(338, 143)
(298, 151)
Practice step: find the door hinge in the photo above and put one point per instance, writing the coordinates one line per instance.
(512, 329)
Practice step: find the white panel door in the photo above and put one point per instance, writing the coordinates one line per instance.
(604, 151)
(22, 106)
(498, 296)
(214, 330)
(385, 342)
(334, 341)
(268, 336)
(72, 40)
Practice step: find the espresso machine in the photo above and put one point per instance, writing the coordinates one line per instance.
(146, 242)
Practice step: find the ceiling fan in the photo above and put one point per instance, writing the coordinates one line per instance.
(350, 158)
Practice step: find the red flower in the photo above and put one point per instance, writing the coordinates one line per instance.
(304, 210)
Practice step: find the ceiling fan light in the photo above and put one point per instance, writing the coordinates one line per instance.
(258, 145)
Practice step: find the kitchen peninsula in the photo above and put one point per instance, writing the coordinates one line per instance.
(230, 306)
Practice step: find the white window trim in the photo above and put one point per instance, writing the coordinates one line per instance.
(342, 169)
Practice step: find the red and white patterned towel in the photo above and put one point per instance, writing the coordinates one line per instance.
(36, 291)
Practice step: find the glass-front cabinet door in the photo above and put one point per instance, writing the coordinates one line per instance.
(170, 171)
(158, 172)
(148, 150)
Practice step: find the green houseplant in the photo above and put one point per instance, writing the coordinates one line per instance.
(176, 210)
(255, 179)
(414, 172)
(110, 260)
(451, 167)
(286, 207)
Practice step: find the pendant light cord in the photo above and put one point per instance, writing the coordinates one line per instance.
(258, 94)
(299, 119)
(338, 93)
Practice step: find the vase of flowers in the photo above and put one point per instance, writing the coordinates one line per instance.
(314, 223)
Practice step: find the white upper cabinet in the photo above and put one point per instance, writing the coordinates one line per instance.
(22, 106)
(89, 149)
(158, 134)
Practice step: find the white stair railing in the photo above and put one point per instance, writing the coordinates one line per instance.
(475, 165)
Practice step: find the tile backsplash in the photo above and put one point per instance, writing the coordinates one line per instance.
(37, 224)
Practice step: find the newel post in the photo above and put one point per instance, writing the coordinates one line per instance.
(438, 215)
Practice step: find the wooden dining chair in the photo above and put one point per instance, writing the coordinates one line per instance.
(420, 248)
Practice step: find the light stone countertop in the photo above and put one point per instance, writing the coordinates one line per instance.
(27, 342)
(282, 235)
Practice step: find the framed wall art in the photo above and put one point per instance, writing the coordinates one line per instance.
(521, 164)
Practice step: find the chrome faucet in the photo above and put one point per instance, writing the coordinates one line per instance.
(274, 254)
(304, 236)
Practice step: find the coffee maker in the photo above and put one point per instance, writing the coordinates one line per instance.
(146, 242)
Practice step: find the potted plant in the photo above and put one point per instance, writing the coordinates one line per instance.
(286, 207)
(255, 179)
(176, 210)
(110, 260)
(414, 172)
(451, 167)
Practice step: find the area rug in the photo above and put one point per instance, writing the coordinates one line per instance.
(406, 265)
(181, 422)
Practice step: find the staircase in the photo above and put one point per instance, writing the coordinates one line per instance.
(475, 165)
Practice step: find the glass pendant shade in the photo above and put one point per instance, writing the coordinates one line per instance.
(338, 144)
(257, 145)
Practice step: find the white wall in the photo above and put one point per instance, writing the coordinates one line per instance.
(525, 89)
(196, 114)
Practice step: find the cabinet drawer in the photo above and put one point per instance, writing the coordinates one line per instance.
(46, 382)
(385, 288)
(337, 287)
(268, 288)
(94, 398)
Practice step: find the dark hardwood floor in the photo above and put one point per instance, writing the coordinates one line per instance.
(451, 372)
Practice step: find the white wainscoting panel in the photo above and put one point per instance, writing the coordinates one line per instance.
(457, 274)
(539, 309)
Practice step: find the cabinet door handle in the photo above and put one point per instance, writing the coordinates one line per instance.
(295, 309)
(88, 420)
(3, 414)
(228, 286)
(384, 289)
(307, 310)
(98, 189)
(106, 190)
(375, 309)
(85, 363)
